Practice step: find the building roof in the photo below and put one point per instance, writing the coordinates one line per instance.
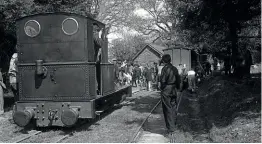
(157, 48)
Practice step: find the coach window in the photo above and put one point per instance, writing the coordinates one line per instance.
(70, 26)
(32, 28)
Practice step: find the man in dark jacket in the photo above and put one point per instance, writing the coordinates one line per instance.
(97, 45)
(169, 83)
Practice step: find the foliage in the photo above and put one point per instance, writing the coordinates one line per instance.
(9, 11)
(82, 7)
(114, 13)
(155, 19)
(125, 49)
(215, 24)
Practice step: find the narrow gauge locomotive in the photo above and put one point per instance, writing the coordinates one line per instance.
(57, 71)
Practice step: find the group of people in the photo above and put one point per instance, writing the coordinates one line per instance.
(148, 76)
(135, 75)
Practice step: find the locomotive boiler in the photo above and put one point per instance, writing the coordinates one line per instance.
(58, 75)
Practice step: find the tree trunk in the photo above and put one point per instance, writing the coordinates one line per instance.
(233, 36)
(232, 25)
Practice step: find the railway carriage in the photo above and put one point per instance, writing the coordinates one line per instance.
(57, 71)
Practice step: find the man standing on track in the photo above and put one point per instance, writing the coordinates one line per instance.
(169, 82)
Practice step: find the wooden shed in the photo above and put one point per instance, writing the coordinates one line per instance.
(181, 55)
(149, 54)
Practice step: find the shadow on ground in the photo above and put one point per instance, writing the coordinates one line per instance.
(144, 104)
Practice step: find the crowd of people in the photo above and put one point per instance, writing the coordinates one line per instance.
(143, 75)
(146, 76)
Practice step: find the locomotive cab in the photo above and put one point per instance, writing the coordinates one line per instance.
(58, 71)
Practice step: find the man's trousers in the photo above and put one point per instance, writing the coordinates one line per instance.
(169, 104)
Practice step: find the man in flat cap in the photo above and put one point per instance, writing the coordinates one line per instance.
(169, 82)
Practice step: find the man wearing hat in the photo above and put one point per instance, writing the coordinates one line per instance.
(169, 82)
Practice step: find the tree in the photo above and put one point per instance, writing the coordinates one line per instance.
(156, 19)
(9, 11)
(114, 13)
(126, 48)
(217, 21)
(82, 7)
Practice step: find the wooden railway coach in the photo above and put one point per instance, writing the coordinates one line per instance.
(57, 71)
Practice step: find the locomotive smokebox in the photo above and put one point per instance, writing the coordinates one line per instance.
(69, 117)
(22, 118)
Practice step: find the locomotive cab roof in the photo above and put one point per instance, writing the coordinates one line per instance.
(62, 13)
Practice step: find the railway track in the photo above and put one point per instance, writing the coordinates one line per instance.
(57, 138)
(32, 133)
(24, 137)
(135, 136)
(142, 124)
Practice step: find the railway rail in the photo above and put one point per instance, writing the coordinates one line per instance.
(57, 139)
(134, 138)
(142, 124)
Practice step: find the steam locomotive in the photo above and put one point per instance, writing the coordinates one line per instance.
(58, 75)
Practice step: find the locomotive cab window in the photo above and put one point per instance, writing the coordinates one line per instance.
(70, 26)
(32, 28)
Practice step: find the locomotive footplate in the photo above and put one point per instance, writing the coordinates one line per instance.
(63, 114)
